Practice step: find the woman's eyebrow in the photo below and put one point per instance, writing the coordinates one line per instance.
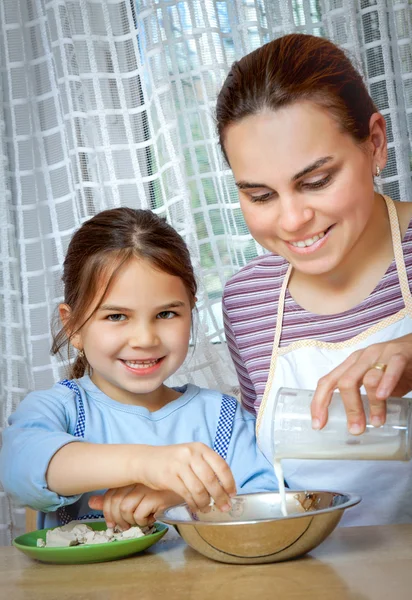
(315, 165)
(247, 185)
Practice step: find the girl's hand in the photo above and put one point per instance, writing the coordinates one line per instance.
(193, 471)
(132, 505)
(384, 369)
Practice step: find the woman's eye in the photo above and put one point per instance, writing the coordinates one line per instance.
(313, 184)
(166, 314)
(262, 197)
(116, 318)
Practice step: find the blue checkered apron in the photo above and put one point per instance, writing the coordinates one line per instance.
(220, 445)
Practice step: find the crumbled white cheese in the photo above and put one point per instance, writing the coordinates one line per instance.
(75, 533)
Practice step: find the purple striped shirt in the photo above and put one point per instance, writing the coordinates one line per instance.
(250, 301)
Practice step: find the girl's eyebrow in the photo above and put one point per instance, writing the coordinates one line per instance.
(173, 304)
(114, 308)
(246, 185)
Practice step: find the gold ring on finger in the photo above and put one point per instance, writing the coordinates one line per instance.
(379, 366)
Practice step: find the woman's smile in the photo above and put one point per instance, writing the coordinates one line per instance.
(311, 244)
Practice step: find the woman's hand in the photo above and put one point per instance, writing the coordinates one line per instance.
(132, 505)
(384, 369)
(193, 471)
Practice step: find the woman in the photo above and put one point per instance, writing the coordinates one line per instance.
(330, 306)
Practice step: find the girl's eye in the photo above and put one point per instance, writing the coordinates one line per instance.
(166, 314)
(316, 183)
(116, 318)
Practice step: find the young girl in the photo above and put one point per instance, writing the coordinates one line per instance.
(129, 294)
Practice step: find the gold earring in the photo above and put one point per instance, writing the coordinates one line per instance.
(80, 354)
(378, 171)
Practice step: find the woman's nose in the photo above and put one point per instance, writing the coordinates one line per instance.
(294, 213)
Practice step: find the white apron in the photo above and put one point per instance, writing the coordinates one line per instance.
(385, 486)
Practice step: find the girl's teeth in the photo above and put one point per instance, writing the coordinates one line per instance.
(141, 364)
(309, 241)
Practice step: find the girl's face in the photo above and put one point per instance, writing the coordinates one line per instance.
(139, 335)
(305, 187)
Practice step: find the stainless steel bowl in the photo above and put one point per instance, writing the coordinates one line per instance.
(255, 531)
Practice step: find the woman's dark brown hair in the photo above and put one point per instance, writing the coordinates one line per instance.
(101, 246)
(290, 69)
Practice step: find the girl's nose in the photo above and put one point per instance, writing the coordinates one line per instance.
(294, 213)
(144, 335)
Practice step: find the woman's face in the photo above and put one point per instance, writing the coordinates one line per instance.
(305, 187)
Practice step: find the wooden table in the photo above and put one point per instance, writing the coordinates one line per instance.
(357, 563)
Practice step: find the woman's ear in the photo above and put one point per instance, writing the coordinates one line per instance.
(65, 313)
(378, 141)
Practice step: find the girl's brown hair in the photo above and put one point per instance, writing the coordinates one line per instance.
(97, 250)
(293, 68)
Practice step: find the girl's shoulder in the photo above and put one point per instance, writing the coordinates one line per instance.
(223, 404)
(57, 393)
(57, 404)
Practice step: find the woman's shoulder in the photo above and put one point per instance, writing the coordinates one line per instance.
(260, 271)
(404, 212)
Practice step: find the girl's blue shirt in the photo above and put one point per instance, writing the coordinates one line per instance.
(46, 420)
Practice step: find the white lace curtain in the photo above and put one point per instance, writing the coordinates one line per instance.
(106, 103)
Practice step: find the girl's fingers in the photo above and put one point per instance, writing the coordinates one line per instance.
(113, 504)
(96, 502)
(178, 486)
(195, 488)
(221, 470)
(212, 486)
(107, 508)
(129, 504)
(145, 511)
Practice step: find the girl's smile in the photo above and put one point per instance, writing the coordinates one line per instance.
(143, 367)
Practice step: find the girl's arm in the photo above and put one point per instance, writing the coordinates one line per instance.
(43, 466)
(193, 470)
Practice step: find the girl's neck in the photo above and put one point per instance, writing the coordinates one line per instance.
(357, 274)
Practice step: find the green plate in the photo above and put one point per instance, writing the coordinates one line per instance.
(86, 553)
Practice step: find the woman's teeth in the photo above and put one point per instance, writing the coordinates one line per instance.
(309, 241)
(141, 364)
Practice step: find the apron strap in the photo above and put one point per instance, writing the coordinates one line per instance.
(225, 425)
(63, 513)
(278, 332)
(398, 253)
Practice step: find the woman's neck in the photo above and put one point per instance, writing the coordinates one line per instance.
(357, 274)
